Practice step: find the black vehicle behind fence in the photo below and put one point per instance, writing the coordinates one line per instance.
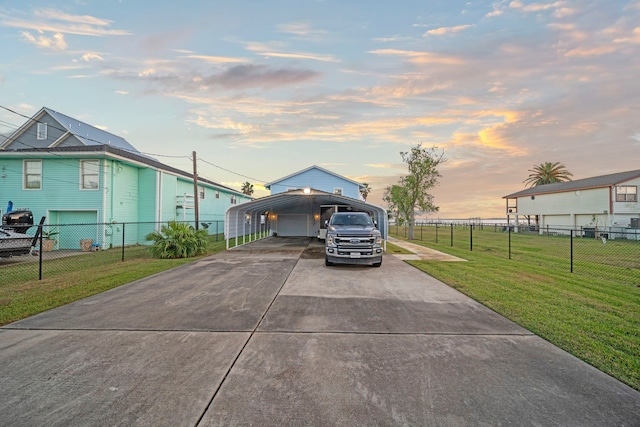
(352, 238)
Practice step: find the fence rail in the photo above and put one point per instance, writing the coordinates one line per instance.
(608, 254)
(66, 247)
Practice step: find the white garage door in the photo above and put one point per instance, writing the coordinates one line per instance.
(290, 225)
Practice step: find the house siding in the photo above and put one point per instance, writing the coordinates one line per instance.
(584, 201)
(65, 180)
(319, 180)
(168, 194)
(146, 201)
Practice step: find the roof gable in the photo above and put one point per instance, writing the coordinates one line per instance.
(69, 131)
(578, 184)
(90, 135)
(310, 168)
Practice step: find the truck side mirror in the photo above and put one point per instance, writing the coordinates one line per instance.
(326, 222)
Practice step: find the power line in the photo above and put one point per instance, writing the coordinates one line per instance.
(260, 181)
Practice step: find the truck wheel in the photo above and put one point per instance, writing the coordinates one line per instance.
(327, 262)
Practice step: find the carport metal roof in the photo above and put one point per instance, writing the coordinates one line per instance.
(245, 219)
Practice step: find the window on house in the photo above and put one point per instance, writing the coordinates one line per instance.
(89, 174)
(201, 192)
(337, 191)
(233, 199)
(217, 194)
(32, 174)
(41, 131)
(627, 193)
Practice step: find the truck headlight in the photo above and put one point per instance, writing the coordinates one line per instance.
(330, 240)
(378, 239)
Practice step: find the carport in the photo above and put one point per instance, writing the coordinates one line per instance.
(296, 213)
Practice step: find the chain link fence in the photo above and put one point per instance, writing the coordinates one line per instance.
(612, 255)
(68, 247)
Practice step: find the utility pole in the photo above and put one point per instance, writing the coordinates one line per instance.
(196, 195)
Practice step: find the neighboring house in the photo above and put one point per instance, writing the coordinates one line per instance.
(319, 179)
(608, 202)
(73, 173)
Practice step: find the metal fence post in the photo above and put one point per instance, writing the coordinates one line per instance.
(40, 254)
(452, 234)
(471, 238)
(571, 250)
(509, 228)
(123, 224)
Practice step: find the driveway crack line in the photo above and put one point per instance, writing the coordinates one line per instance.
(235, 360)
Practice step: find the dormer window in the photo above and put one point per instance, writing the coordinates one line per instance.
(41, 132)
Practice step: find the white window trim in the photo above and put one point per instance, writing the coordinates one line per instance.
(97, 174)
(339, 191)
(24, 174)
(41, 131)
(201, 193)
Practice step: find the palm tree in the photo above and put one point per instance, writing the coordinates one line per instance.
(365, 190)
(247, 188)
(548, 173)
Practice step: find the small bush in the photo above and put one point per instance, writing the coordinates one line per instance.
(177, 240)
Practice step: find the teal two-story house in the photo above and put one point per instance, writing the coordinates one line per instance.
(73, 173)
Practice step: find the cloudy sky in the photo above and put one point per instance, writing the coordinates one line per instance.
(262, 89)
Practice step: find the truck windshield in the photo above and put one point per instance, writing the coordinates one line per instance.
(350, 219)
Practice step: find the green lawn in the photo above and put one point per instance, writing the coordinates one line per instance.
(595, 317)
(69, 279)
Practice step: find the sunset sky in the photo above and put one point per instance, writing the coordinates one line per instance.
(262, 89)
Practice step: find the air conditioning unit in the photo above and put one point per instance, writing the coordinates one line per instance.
(635, 223)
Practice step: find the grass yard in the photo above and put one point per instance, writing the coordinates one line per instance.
(72, 278)
(594, 317)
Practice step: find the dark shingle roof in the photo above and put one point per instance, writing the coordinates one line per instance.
(578, 184)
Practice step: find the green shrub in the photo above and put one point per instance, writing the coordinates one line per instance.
(177, 240)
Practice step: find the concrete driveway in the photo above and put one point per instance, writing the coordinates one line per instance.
(266, 335)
